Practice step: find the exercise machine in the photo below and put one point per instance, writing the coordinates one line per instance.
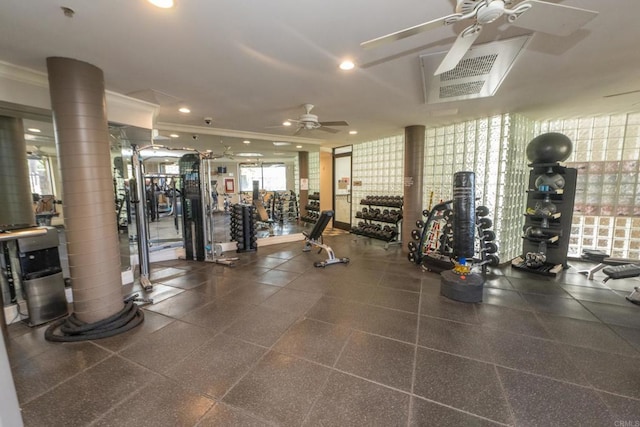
(314, 239)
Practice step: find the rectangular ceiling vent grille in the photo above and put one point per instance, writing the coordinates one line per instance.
(470, 67)
(479, 73)
(461, 89)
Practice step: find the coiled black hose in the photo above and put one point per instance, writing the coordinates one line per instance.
(73, 329)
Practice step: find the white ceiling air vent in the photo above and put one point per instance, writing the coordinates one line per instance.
(478, 75)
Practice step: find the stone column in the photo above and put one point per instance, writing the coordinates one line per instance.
(17, 202)
(82, 140)
(413, 181)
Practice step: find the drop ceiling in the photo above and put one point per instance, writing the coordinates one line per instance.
(250, 65)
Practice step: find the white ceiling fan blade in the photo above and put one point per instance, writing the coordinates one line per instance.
(551, 18)
(336, 123)
(411, 31)
(330, 130)
(459, 49)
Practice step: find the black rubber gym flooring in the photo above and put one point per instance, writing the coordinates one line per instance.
(275, 341)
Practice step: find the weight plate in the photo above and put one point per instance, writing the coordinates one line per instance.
(489, 235)
(490, 247)
(416, 234)
(485, 223)
(494, 261)
(482, 211)
(420, 223)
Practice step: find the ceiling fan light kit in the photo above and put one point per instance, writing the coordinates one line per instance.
(535, 15)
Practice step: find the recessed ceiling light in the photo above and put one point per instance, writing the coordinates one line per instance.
(248, 155)
(164, 4)
(209, 151)
(174, 135)
(286, 123)
(280, 143)
(298, 146)
(184, 110)
(353, 132)
(246, 141)
(34, 130)
(347, 65)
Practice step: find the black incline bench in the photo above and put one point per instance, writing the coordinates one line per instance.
(315, 239)
(613, 268)
(263, 216)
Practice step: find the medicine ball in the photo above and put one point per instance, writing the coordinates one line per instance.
(553, 181)
(549, 147)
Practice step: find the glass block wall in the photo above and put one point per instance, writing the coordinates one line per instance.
(493, 148)
(378, 165)
(512, 186)
(314, 173)
(606, 150)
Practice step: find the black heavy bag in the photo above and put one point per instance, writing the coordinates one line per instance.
(464, 215)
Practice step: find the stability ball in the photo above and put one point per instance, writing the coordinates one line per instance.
(549, 147)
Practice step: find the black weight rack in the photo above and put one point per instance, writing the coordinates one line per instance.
(381, 218)
(313, 209)
(243, 227)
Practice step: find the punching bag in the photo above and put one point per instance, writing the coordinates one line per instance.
(464, 215)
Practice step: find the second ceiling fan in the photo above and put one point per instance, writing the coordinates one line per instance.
(309, 122)
(533, 15)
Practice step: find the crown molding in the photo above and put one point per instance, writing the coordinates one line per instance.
(173, 127)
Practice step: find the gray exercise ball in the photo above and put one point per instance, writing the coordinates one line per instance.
(549, 147)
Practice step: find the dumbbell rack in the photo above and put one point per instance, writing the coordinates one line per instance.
(371, 216)
(243, 227)
(552, 231)
(292, 203)
(312, 208)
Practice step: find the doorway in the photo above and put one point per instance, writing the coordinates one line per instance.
(342, 187)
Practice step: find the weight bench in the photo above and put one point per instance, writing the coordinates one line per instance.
(613, 268)
(315, 239)
(263, 216)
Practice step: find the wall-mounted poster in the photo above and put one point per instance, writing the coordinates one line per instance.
(229, 185)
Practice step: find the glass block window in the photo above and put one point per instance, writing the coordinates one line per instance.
(314, 172)
(378, 166)
(494, 149)
(607, 206)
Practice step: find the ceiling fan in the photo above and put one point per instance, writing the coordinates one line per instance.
(533, 15)
(36, 154)
(227, 153)
(309, 122)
